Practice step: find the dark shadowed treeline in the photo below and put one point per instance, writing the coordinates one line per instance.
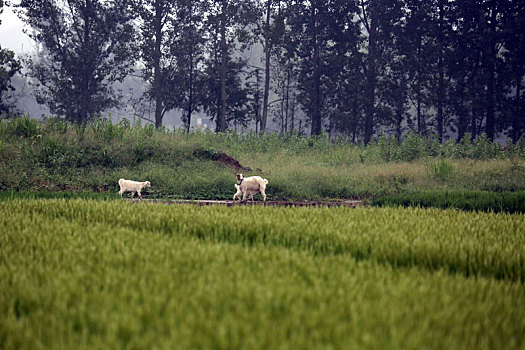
(354, 68)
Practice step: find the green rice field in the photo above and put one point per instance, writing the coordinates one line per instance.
(92, 274)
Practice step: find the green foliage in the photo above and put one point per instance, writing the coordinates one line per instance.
(19, 127)
(97, 274)
(11, 195)
(510, 202)
(78, 83)
(441, 169)
(9, 66)
(53, 155)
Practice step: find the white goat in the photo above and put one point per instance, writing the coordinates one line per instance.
(251, 185)
(132, 186)
(238, 193)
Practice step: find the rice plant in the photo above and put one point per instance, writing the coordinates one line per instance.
(110, 274)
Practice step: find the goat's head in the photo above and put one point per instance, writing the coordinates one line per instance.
(147, 184)
(239, 178)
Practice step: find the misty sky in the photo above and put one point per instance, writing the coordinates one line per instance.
(11, 35)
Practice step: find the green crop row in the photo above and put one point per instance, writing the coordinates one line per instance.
(468, 244)
(509, 202)
(84, 274)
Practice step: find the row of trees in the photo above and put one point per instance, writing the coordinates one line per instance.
(354, 67)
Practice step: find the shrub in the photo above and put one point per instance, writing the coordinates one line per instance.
(21, 127)
(440, 169)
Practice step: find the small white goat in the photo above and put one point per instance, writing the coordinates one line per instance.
(251, 185)
(132, 186)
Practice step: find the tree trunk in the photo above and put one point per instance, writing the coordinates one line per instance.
(420, 129)
(287, 99)
(85, 111)
(474, 119)
(190, 94)
(516, 119)
(292, 112)
(316, 98)
(157, 82)
(267, 55)
(189, 109)
(462, 115)
(491, 79)
(371, 78)
(441, 83)
(440, 117)
(221, 118)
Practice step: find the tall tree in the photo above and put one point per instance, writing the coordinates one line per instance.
(418, 44)
(514, 42)
(85, 47)
(189, 54)
(271, 33)
(479, 54)
(227, 25)
(171, 37)
(321, 31)
(440, 68)
(9, 66)
(157, 29)
(378, 19)
(284, 62)
(267, 54)
(369, 14)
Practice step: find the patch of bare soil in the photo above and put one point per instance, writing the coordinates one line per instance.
(231, 162)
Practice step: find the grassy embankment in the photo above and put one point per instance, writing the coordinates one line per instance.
(58, 157)
(109, 274)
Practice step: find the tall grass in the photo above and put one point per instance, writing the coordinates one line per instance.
(509, 202)
(95, 274)
(12, 195)
(53, 155)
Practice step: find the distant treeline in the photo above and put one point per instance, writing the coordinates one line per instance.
(355, 68)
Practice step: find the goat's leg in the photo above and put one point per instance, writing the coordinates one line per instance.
(140, 196)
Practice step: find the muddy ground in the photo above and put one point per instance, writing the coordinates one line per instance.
(317, 203)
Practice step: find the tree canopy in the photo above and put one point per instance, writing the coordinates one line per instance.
(355, 68)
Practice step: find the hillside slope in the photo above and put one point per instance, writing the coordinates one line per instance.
(53, 155)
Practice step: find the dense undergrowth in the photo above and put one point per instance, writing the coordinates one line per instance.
(53, 155)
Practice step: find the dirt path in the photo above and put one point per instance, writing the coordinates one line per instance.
(342, 203)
